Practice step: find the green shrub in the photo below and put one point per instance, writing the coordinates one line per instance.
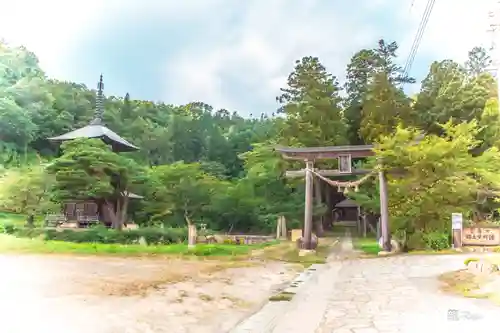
(28, 232)
(436, 241)
(102, 235)
(160, 235)
(7, 228)
(416, 241)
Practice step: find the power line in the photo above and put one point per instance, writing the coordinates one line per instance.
(415, 40)
(418, 36)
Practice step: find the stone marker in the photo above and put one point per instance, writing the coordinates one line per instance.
(142, 241)
(281, 232)
(192, 235)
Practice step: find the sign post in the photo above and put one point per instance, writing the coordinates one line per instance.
(456, 229)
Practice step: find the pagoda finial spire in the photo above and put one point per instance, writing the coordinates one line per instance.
(99, 104)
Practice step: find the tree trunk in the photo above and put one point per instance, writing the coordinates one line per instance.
(124, 210)
(192, 234)
(116, 221)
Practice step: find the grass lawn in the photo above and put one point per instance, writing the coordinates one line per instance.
(23, 245)
(466, 284)
(9, 243)
(19, 220)
(287, 251)
(369, 246)
(366, 245)
(469, 285)
(11, 218)
(462, 283)
(281, 251)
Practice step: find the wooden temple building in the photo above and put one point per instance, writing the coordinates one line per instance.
(345, 155)
(91, 211)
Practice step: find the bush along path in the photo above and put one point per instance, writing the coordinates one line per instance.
(101, 235)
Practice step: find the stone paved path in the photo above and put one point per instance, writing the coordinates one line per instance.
(382, 295)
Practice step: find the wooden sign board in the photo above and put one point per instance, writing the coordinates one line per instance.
(481, 236)
(345, 163)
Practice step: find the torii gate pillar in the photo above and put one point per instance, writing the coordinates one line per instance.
(384, 212)
(308, 208)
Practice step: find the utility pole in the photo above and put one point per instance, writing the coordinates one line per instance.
(494, 30)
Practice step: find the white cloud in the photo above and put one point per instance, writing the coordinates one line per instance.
(49, 28)
(271, 35)
(261, 49)
(250, 43)
(454, 27)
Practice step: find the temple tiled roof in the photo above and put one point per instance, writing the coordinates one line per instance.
(97, 129)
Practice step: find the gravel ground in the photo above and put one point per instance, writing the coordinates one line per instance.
(396, 294)
(71, 294)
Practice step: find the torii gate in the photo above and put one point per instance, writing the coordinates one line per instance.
(345, 155)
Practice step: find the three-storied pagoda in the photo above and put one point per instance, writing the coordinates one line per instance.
(97, 129)
(86, 212)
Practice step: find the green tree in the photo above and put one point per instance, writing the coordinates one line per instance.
(183, 193)
(23, 95)
(439, 172)
(384, 108)
(265, 181)
(311, 103)
(26, 190)
(478, 62)
(385, 57)
(490, 125)
(361, 70)
(448, 92)
(89, 170)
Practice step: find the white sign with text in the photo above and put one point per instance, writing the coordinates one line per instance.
(456, 221)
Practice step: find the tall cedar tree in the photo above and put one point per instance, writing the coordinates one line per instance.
(385, 107)
(364, 65)
(311, 103)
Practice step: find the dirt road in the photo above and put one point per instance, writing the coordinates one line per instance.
(70, 294)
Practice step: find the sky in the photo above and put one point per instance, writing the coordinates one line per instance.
(228, 53)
